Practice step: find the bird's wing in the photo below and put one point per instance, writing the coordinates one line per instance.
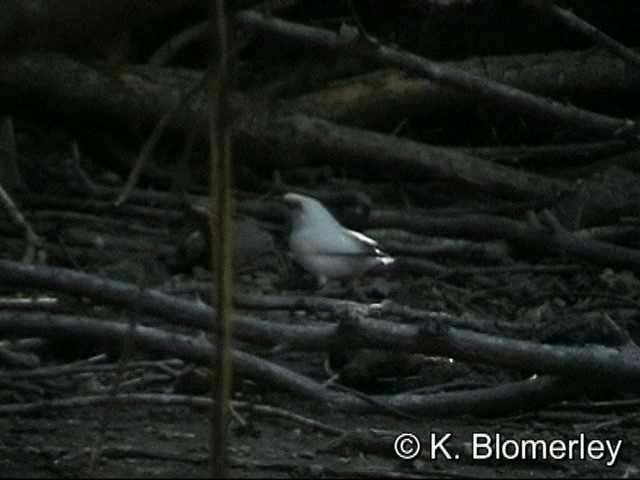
(370, 246)
(341, 242)
(362, 238)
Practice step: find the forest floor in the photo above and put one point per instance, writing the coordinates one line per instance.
(273, 433)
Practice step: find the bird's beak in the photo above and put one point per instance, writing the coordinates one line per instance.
(283, 208)
(285, 203)
(289, 204)
(282, 204)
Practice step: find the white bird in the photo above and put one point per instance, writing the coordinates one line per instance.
(324, 247)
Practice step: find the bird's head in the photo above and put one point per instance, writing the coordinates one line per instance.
(298, 208)
(293, 201)
(306, 210)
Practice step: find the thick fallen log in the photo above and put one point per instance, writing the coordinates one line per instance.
(56, 84)
(388, 96)
(502, 399)
(354, 330)
(482, 88)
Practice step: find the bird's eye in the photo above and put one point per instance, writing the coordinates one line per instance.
(293, 205)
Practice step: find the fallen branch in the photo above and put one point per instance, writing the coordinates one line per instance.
(365, 149)
(38, 78)
(501, 399)
(385, 97)
(482, 88)
(514, 231)
(572, 21)
(161, 399)
(595, 362)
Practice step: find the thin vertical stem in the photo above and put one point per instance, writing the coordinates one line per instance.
(222, 244)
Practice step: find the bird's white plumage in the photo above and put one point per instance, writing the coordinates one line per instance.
(325, 248)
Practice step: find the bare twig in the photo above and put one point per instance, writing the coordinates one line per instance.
(19, 359)
(153, 139)
(9, 171)
(35, 244)
(171, 47)
(164, 399)
(576, 23)
(589, 248)
(92, 366)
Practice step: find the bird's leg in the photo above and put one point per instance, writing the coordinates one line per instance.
(359, 291)
(356, 290)
(324, 288)
(337, 289)
(329, 288)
